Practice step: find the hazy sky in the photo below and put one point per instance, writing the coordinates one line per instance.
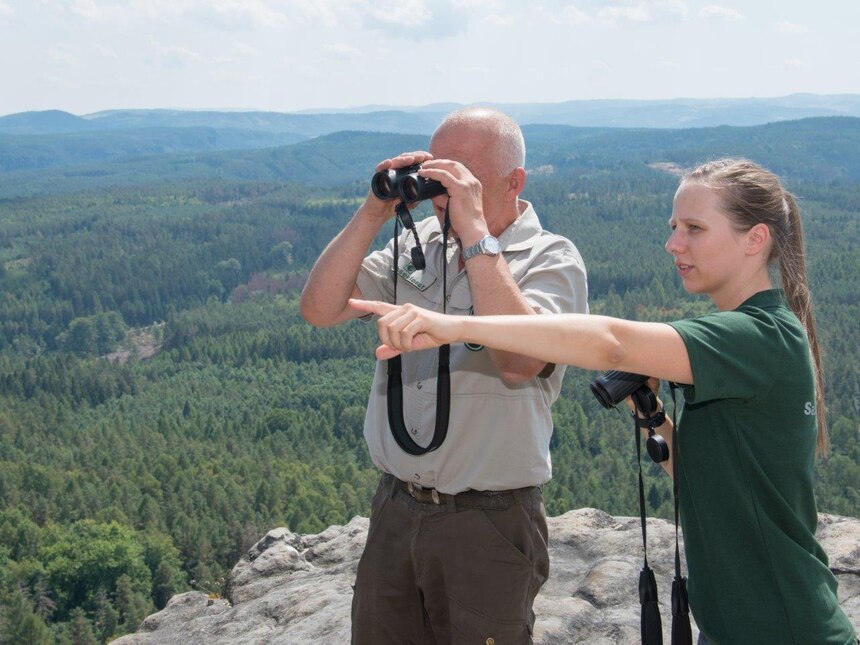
(284, 55)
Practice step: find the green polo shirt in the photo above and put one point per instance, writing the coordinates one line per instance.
(747, 438)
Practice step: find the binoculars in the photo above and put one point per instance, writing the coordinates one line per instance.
(611, 388)
(405, 184)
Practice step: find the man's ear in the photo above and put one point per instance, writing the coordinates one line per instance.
(516, 183)
(758, 239)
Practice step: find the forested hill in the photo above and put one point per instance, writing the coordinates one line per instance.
(162, 404)
(819, 149)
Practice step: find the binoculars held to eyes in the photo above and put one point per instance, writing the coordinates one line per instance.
(405, 184)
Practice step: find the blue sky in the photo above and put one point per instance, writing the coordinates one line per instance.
(284, 55)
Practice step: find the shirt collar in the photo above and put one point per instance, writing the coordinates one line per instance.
(766, 298)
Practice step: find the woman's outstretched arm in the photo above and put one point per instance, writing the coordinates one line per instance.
(581, 340)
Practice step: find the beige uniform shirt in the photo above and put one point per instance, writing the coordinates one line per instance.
(498, 434)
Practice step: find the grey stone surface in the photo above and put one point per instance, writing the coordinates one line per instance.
(296, 589)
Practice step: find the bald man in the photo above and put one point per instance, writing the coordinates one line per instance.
(457, 546)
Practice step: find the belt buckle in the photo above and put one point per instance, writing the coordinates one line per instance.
(415, 490)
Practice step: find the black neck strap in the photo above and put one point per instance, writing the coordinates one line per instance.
(443, 377)
(682, 634)
(651, 625)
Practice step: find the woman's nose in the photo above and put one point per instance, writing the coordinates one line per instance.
(671, 243)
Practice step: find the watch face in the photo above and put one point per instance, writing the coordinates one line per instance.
(491, 245)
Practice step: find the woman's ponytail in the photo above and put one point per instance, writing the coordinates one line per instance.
(795, 283)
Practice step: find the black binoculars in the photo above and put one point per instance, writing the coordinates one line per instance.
(611, 388)
(405, 184)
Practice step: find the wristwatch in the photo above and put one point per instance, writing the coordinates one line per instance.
(487, 246)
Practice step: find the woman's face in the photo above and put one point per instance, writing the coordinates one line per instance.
(707, 250)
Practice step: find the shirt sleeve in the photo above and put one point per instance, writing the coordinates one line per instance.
(374, 278)
(556, 282)
(733, 355)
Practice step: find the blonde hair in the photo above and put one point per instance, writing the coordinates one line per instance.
(753, 195)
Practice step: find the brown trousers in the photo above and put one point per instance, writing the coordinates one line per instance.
(457, 572)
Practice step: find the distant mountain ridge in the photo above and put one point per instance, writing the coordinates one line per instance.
(815, 148)
(669, 113)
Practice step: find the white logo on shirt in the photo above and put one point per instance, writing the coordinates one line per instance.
(809, 409)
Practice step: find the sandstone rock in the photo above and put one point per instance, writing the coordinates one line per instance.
(297, 589)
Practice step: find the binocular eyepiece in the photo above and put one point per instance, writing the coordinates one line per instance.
(405, 184)
(611, 388)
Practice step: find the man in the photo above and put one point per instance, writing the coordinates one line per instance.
(457, 546)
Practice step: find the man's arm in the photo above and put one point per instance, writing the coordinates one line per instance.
(494, 292)
(332, 281)
(493, 288)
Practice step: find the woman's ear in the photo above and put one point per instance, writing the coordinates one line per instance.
(758, 239)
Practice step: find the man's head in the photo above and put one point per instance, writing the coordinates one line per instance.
(490, 144)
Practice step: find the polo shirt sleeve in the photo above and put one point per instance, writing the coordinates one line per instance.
(733, 355)
(556, 281)
(374, 277)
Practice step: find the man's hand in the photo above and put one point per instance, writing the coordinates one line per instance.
(407, 328)
(465, 193)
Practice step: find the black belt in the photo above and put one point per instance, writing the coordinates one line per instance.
(483, 499)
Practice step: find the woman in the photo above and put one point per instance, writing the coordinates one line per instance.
(753, 413)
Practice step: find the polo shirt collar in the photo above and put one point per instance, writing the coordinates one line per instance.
(766, 298)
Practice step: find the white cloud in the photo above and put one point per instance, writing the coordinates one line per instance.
(5, 10)
(500, 21)
(633, 13)
(245, 14)
(238, 55)
(677, 7)
(328, 13)
(491, 5)
(104, 51)
(342, 50)
(570, 15)
(722, 13)
(62, 54)
(406, 13)
(176, 55)
(791, 27)
(247, 51)
(98, 12)
(248, 13)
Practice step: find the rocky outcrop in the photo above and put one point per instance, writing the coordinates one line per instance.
(293, 588)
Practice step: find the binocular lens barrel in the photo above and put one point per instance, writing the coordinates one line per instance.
(404, 183)
(611, 388)
(382, 184)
